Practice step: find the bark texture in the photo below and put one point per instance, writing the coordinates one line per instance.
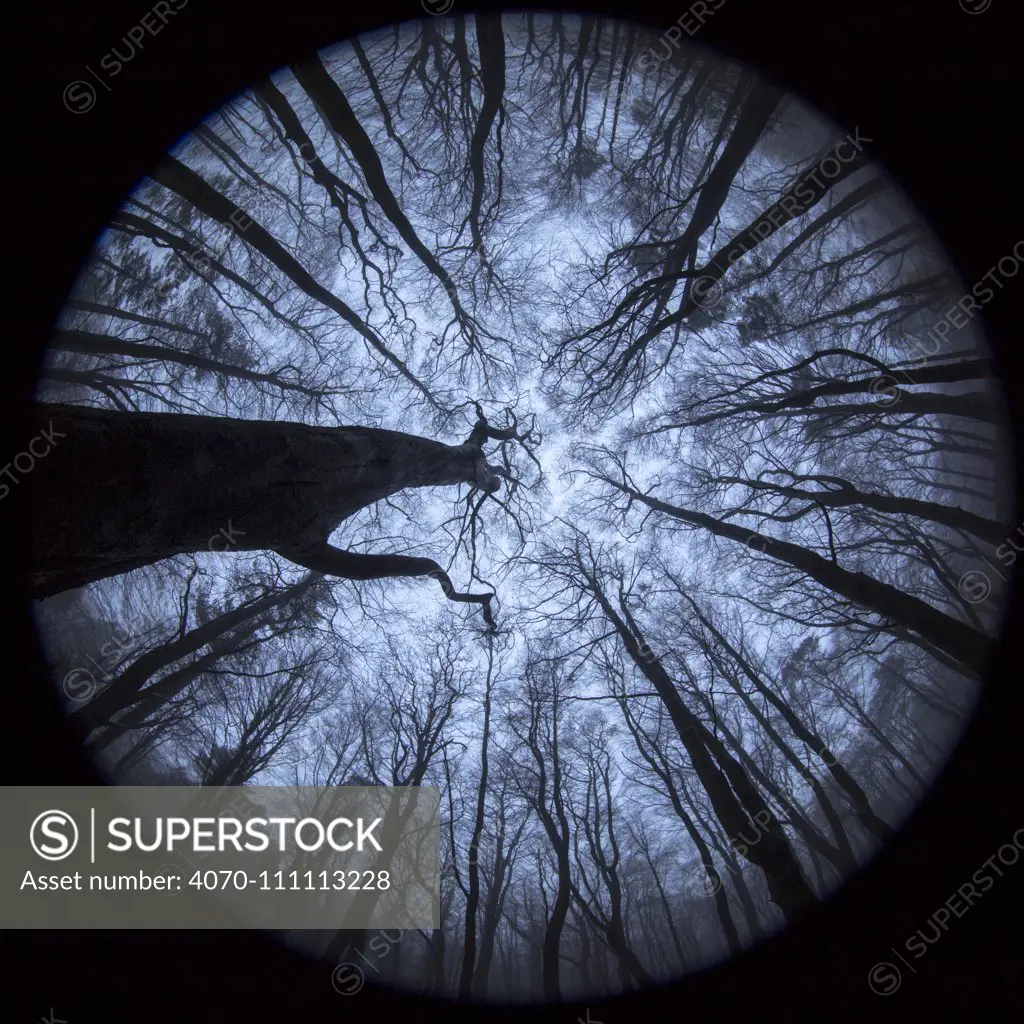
(121, 490)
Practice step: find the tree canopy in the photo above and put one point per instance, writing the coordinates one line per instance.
(635, 357)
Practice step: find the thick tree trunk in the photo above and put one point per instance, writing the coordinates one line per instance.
(122, 490)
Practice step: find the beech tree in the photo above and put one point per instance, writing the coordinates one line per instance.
(293, 485)
(482, 404)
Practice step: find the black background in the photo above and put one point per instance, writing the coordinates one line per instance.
(937, 91)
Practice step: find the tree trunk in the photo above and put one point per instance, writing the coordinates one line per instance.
(179, 178)
(339, 115)
(101, 309)
(841, 494)
(123, 490)
(473, 868)
(663, 771)
(969, 647)
(126, 691)
(867, 817)
(86, 343)
(736, 801)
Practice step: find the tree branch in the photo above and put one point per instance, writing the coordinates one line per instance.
(352, 565)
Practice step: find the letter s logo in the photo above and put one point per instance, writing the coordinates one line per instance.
(53, 826)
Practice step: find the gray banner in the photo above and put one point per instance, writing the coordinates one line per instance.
(273, 857)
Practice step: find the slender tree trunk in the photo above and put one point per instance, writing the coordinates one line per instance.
(962, 642)
(736, 801)
(550, 950)
(875, 825)
(845, 495)
(805, 400)
(179, 178)
(136, 318)
(843, 858)
(746, 900)
(437, 949)
(126, 691)
(806, 193)
(86, 343)
(660, 766)
(473, 869)
(759, 103)
(741, 761)
(490, 36)
(501, 878)
(336, 110)
(155, 697)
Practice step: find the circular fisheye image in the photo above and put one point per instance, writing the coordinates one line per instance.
(556, 414)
